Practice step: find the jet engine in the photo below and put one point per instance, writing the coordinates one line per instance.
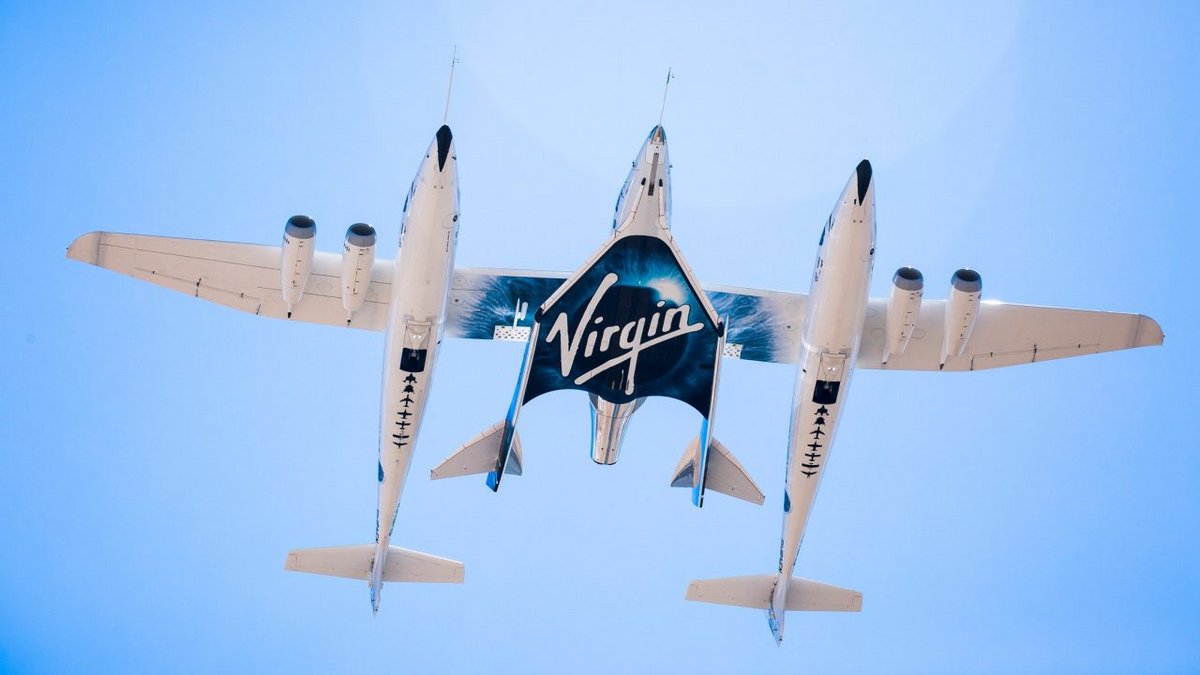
(904, 306)
(296, 263)
(358, 258)
(961, 310)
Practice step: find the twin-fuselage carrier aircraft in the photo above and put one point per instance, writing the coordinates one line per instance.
(632, 322)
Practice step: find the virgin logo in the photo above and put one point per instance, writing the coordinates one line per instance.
(624, 341)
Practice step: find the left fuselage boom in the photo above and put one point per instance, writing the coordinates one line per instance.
(420, 282)
(829, 346)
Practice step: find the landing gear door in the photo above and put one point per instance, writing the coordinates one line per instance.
(829, 378)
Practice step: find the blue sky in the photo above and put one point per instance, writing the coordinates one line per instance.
(161, 455)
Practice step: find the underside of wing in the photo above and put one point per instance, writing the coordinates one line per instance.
(488, 304)
(494, 304)
(1005, 335)
(242, 276)
(760, 325)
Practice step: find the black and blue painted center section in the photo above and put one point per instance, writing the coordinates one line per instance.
(631, 325)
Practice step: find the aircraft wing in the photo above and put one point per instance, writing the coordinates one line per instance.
(242, 276)
(1006, 335)
(766, 325)
(492, 304)
(495, 304)
(487, 304)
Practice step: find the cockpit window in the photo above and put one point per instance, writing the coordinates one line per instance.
(411, 190)
(827, 228)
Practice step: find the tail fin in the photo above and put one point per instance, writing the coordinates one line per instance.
(479, 454)
(759, 591)
(725, 473)
(354, 562)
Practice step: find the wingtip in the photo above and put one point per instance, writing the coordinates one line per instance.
(85, 248)
(1149, 333)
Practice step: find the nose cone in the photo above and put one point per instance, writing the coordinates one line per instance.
(653, 150)
(646, 197)
(862, 174)
(444, 142)
(437, 175)
(854, 215)
(859, 190)
(656, 143)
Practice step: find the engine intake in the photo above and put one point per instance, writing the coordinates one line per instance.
(358, 257)
(297, 255)
(904, 306)
(962, 308)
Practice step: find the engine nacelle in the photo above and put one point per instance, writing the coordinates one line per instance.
(961, 309)
(358, 258)
(296, 264)
(904, 306)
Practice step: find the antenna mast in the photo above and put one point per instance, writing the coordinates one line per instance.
(666, 86)
(450, 84)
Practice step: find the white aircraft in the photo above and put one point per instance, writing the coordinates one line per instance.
(828, 332)
(408, 300)
(844, 328)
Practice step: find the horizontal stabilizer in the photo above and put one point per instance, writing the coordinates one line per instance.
(479, 455)
(754, 591)
(354, 562)
(725, 472)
